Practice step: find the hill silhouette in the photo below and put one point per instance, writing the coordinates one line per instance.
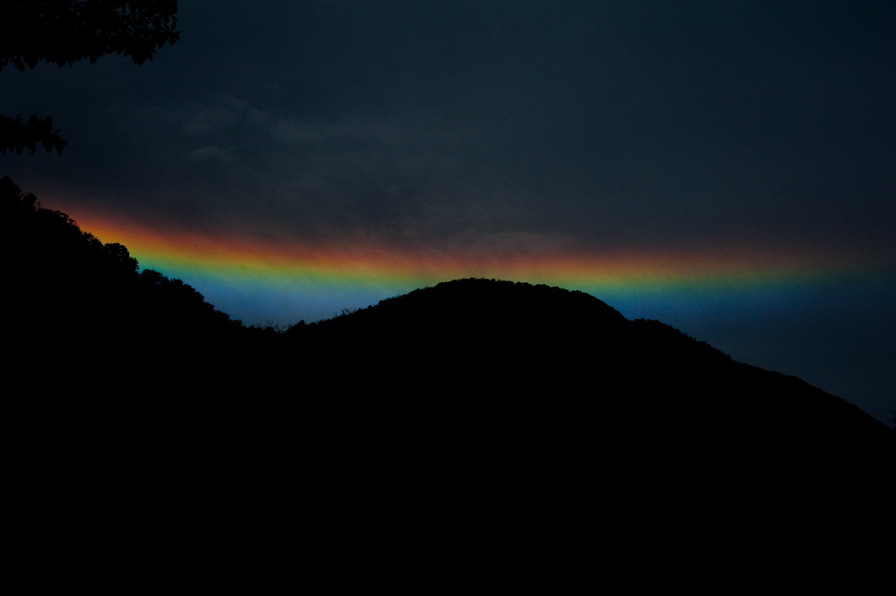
(509, 350)
(518, 406)
(76, 304)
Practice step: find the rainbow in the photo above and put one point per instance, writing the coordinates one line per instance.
(266, 281)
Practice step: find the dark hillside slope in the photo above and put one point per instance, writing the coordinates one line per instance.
(73, 305)
(479, 422)
(545, 400)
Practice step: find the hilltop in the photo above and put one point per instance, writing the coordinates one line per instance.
(500, 346)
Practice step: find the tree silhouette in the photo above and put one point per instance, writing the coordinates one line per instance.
(66, 31)
(18, 134)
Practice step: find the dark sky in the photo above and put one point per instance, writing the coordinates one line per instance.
(727, 128)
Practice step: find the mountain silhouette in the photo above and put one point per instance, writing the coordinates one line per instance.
(514, 351)
(536, 412)
(78, 306)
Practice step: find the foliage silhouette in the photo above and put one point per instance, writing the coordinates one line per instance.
(18, 134)
(71, 295)
(63, 32)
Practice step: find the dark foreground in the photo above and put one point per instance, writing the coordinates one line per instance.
(474, 435)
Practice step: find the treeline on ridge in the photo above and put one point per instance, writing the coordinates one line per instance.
(65, 285)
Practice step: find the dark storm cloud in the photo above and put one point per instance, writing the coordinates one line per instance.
(605, 122)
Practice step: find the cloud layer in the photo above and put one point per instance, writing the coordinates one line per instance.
(600, 125)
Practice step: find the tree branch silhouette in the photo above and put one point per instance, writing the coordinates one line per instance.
(19, 134)
(63, 32)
